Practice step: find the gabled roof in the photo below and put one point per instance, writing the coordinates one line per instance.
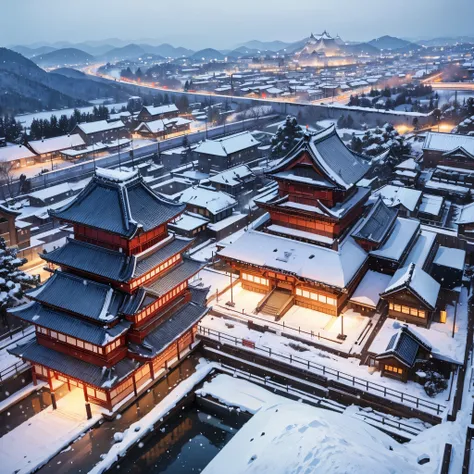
(447, 142)
(161, 109)
(466, 216)
(418, 282)
(92, 259)
(312, 262)
(99, 126)
(119, 202)
(35, 313)
(330, 156)
(233, 176)
(111, 264)
(10, 212)
(75, 368)
(170, 330)
(152, 291)
(83, 297)
(228, 145)
(395, 196)
(378, 222)
(214, 201)
(56, 143)
(404, 346)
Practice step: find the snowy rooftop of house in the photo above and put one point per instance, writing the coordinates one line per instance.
(404, 346)
(431, 204)
(334, 268)
(368, 291)
(450, 257)
(50, 145)
(160, 125)
(418, 281)
(228, 145)
(422, 248)
(14, 152)
(394, 196)
(99, 126)
(188, 222)
(409, 164)
(401, 235)
(119, 202)
(213, 201)
(330, 156)
(446, 142)
(466, 215)
(232, 176)
(81, 296)
(161, 109)
(375, 226)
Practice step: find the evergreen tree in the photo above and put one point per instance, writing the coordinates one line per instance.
(286, 137)
(13, 281)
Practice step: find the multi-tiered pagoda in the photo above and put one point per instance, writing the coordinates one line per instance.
(306, 250)
(117, 311)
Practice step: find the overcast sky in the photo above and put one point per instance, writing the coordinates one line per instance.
(225, 23)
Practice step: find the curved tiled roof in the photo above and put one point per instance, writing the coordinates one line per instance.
(120, 206)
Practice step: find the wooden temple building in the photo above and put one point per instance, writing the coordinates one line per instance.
(117, 311)
(306, 252)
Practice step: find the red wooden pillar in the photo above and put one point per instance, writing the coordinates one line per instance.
(51, 389)
(88, 405)
(177, 349)
(33, 375)
(152, 372)
(134, 386)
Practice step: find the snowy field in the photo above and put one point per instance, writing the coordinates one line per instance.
(287, 437)
(34, 442)
(303, 322)
(367, 378)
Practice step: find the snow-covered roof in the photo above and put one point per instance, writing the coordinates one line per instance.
(228, 145)
(418, 281)
(161, 109)
(213, 201)
(99, 126)
(409, 164)
(447, 142)
(160, 125)
(422, 248)
(368, 291)
(431, 204)
(466, 216)
(188, 222)
(330, 156)
(14, 152)
(56, 144)
(450, 257)
(232, 176)
(394, 196)
(319, 264)
(399, 239)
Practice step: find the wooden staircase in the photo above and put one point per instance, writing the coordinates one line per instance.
(275, 302)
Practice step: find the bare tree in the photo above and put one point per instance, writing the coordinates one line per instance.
(6, 177)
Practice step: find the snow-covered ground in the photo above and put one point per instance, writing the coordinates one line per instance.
(34, 442)
(286, 437)
(303, 322)
(212, 279)
(366, 378)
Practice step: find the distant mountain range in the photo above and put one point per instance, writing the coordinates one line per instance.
(63, 57)
(26, 87)
(391, 43)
